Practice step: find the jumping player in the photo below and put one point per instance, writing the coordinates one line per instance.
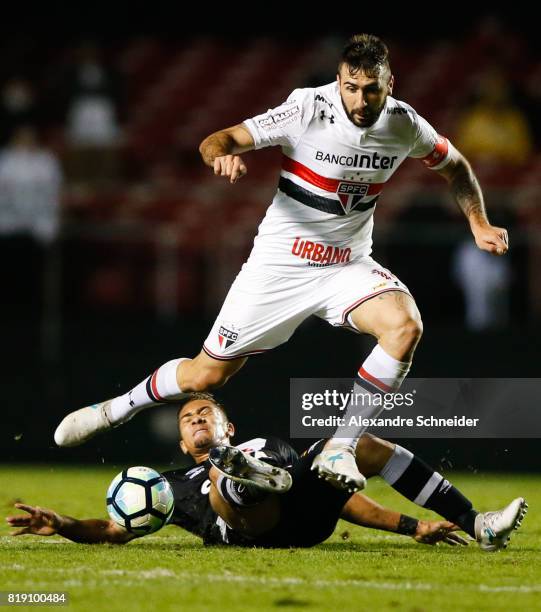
(341, 143)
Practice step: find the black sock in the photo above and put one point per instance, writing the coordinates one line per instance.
(417, 481)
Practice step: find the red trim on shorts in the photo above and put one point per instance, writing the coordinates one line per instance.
(214, 356)
(363, 299)
(328, 184)
(375, 381)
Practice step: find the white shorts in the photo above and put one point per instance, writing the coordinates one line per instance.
(262, 310)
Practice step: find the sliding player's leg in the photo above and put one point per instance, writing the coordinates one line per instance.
(421, 484)
(246, 469)
(247, 510)
(245, 479)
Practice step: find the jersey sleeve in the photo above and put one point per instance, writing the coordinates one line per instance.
(285, 124)
(429, 147)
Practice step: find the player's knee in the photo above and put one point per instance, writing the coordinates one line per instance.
(412, 329)
(406, 332)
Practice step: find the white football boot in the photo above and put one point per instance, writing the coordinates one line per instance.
(79, 426)
(337, 466)
(493, 529)
(242, 467)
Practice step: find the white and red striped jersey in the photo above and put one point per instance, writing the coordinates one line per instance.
(332, 175)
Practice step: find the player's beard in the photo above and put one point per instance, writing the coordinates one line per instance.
(369, 116)
(203, 439)
(211, 437)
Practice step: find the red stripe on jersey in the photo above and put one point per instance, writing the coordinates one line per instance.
(328, 184)
(441, 148)
(375, 381)
(155, 387)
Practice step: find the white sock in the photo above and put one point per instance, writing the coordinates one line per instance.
(379, 374)
(159, 388)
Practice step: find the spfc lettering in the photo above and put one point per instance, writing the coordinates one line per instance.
(350, 194)
(226, 337)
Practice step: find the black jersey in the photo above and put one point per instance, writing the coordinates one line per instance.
(191, 487)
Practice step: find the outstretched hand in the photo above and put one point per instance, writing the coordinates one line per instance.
(491, 239)
(432, 532)
(38, 521)
(230, 166)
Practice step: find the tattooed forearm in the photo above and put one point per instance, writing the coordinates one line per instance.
(467, 193)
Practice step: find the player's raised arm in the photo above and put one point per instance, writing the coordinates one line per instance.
(469, 197)
(47, 522)
(221, 151)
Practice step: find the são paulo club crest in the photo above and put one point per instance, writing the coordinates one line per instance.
(350, 194)
(227, 336)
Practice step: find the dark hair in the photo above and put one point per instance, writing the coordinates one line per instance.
(365, 52)
(201, 395)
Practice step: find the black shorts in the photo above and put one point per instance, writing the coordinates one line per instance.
(309, 510)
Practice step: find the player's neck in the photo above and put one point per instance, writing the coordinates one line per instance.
(200, 458)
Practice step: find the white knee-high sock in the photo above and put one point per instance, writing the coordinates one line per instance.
(159, 388)
(379, 374)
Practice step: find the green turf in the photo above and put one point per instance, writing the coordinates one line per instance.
(355, 569)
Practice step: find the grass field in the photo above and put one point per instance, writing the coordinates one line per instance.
(355, 569)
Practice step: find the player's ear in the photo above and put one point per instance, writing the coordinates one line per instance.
(390, 84)
(230, 429)
(183, 447)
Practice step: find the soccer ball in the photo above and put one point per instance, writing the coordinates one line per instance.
(140, 500)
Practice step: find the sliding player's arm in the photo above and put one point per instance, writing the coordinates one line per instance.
(221, 151)
(467, 193)
(361, 510)
(46, 522)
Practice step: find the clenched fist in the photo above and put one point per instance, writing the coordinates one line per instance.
(491, 239)
(231, 166)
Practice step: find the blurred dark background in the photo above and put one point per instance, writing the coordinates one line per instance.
(117, 245)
